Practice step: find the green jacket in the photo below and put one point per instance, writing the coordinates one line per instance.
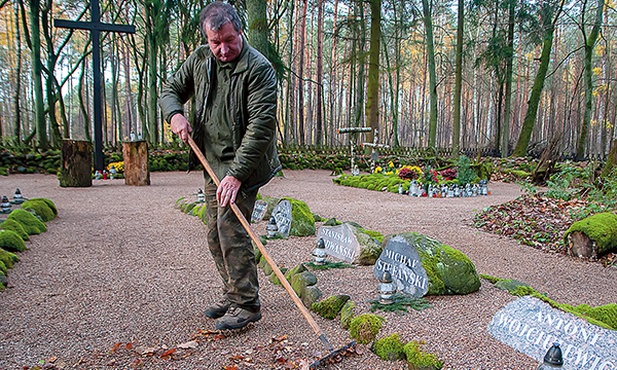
(252, 110)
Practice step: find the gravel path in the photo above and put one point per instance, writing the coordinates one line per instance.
(121, 265)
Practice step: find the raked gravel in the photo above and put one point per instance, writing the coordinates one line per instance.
(121, 265)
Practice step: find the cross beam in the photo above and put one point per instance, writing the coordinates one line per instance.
(95, 26)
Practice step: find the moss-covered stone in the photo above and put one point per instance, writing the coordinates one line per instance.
(298, 284)
(449, 271)
(274, 279)
(296, 270)
(267, 269)
(510, 285)
(16, 227)
(330, 307)
(302, 220)
(11, 241)
(364, 328)
(8, 259)
(39, 208)
(370, 247)
(332, 222)
(606, 314)
(31, 224)
(262, 262)
(347, 313)
(418, 360)
(310, 295)
(3, 267)
(601, 228)
(49, 203)
(389, 348)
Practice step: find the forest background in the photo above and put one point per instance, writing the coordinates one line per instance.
(508, 76)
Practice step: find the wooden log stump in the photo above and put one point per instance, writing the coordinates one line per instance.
(580, 245)
(76, 168)
(136, 170)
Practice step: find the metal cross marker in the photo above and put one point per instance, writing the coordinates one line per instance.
(95, 27)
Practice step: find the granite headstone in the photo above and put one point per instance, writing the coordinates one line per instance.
(282, 215)
(531, 326)
(340, 242)
(402, 260)
(259, 210)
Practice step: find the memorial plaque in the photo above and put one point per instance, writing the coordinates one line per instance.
(282, 215)
(340, 242)
(402, 260)
(259, 210)
(531, 326)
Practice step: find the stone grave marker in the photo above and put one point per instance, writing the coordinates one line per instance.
(282, 215)
(531, 326)
(259, 210)
(340, 242)
(402, 260)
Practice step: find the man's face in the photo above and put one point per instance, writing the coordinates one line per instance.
(226, 43)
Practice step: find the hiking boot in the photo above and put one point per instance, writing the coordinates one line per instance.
(237, 318)
(218, 309)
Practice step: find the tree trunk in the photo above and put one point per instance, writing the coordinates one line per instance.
(16, 98)
(136, 170)
(458, 79)
(76, 164)
(430, 51)
(319, 98)
(611, 161)
(590, 43)
(507, 115)
(301, 51)
(39, 109)
(372, 100)
(538, 85)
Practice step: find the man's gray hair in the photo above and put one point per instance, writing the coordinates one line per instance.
(216, 14)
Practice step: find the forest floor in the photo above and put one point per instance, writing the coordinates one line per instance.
(121, 278)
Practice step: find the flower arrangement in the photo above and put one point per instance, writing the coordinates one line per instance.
(119, 166)
(409, 172)
(449, 173)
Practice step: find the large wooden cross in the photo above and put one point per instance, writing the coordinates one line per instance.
(95, 27)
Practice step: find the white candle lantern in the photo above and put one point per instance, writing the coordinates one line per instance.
(386, 288)
(319, 253)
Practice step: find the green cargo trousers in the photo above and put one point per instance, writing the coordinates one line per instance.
(232, 249)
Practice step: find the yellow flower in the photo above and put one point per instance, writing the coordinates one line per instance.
(391, 164)
(378, 169)
(119, 166)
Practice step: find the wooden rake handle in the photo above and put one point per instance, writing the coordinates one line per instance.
(305, 312)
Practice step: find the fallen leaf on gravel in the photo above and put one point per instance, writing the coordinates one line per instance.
(129, 346)
(168, 353)
(116, 347)
(279, 338)
(188, 345)
(52, 359)
(232, 367)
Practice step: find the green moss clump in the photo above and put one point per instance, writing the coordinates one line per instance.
(49, 203)
(16, 227)
(302, 220)
(296, 270)
(510, 285)
(31, 224)
(418, 360)
(8, 258)
(606, 314)
(364, 328)
(3, 268)
(330, 307)
(11, 241)
(40, 208)
(601, 228)
(389, 348)
(347, 313)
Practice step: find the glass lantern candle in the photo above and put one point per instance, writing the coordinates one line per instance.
(201, 198)
(319, 253)
(386, 288)
(272, 229)
(18, 198)
(553, 358)
(5, 206)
